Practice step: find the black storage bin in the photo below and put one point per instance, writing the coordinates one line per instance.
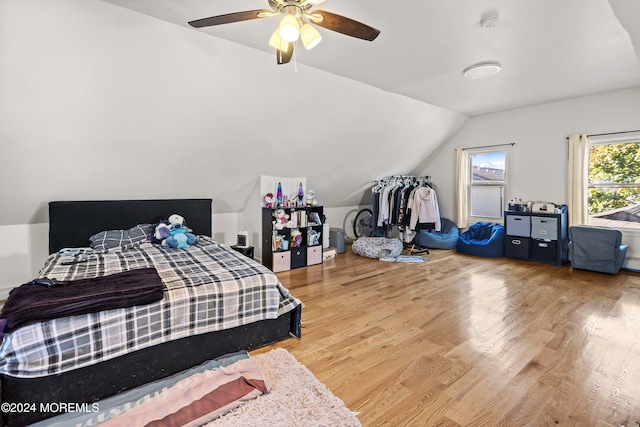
(544, 250)
(517, 247)
(298, 257)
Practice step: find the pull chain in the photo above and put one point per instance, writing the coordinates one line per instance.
(295, 62)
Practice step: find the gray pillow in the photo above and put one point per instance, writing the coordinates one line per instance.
(110, 239)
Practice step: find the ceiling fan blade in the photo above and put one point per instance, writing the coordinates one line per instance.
(284, 56)
(344, 25)
(229, 18)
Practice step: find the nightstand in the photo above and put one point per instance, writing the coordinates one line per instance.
(244, 250)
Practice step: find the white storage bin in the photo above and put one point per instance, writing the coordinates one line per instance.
(281, 261)
(314, 255)
(519, 225)
(544, 228)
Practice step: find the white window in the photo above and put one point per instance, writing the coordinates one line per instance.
(614, 182)
(487, 182)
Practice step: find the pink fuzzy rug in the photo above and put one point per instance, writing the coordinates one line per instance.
(297, 398)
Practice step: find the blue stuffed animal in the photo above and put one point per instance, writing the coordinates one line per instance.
(179, 237)
(175, 234)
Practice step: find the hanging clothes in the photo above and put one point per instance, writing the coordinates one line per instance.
(425, 208)
(397, 203)
(402, 212)
(388, 202)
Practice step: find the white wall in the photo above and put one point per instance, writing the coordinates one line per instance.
(100, 102)
(538, 161)
(22, 255)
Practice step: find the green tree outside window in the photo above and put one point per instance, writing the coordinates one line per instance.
(614, 176)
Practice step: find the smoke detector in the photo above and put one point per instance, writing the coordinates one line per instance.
(489, 20)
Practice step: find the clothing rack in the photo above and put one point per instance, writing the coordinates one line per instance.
(406, 179)
(402, 177)
(392, 199)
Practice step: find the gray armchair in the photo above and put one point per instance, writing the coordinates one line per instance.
(596, 248)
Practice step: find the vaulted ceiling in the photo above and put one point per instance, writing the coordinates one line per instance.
(549, 49)
(113, 79)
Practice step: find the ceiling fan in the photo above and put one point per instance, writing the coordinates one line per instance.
(295, 23)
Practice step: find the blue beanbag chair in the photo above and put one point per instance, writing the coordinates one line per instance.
(482, 239)
(446, 238)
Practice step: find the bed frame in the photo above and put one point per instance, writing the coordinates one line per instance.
(71, 223)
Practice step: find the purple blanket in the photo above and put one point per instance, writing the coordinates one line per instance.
(32, 303)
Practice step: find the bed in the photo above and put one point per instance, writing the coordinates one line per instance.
(100, 368)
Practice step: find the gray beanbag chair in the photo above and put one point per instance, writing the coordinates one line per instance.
(377, 247)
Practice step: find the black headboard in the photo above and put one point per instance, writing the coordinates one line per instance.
(72, 223)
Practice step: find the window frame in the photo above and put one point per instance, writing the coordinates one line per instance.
(471, 183)
(608, 140)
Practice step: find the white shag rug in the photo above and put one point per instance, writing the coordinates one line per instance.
(297, 398)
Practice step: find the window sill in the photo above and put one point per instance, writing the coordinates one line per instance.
(624, 226)
(474, 219)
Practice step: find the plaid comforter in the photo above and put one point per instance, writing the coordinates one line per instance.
(208, 287)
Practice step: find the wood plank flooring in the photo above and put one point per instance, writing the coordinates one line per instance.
(468, 341)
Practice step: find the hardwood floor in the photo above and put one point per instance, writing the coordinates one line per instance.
(470, 341)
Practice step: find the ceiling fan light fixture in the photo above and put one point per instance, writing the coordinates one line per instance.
(296, 20)
(310, 36)
(289, 28)
(276, 41)
(486, 69)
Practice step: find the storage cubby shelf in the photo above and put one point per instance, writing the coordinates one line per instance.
(297, 244)
(537, 236)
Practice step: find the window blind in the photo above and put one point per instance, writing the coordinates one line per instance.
(487, 201)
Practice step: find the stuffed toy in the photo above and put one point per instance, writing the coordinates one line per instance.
(176, 219)
(173, 233)
(311, 199)
(161, 232)
(282, 219)
(281, 243)
(268, 200)
(180, 237)
(296, 238)
(313, 237)
(163, 229)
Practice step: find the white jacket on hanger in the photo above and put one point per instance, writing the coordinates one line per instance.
(425, 208)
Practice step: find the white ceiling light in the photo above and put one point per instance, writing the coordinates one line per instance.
(488, 21)
(485, 69)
